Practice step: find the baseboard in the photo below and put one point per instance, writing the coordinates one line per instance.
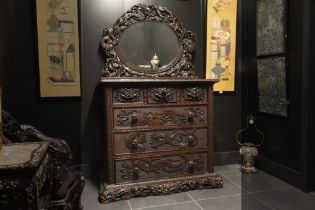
(312, 180)
(227, 158)
(284, 173)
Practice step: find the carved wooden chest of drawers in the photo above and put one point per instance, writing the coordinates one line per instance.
(158, 137)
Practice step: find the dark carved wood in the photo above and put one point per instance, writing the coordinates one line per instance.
(180, 139)
(156, 165)
(162, 94)
(127, 95)
(151, 118)
(135, 142)
(110, 193)
(114, 65)
(195, 94)
(25, 185)
(163, 143)
(152, 145)
(65, 177)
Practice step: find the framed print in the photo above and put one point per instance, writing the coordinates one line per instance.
(58, 48)
(221, 43)
(272, 89)
(271, 27)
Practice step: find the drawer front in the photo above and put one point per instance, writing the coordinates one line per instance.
(155, 117)
(128, 95)
(160, 141)
(162, 95)
(194, 94)
(144, 169)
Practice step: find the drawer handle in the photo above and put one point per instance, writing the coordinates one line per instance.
(190, 118)
(190, 141)
(136, 173)
(134, 120)
(191, 166)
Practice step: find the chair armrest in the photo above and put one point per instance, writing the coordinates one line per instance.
(59, 148)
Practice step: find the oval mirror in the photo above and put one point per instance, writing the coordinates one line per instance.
(142, 42)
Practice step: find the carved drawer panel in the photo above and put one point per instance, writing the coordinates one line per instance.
(144, 169)
(160, 141)
(148, 117)
(194, 94)
(162, 95)
(128, 95)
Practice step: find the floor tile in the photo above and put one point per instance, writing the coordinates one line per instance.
(287, 199)
(179, 206)
(226, 168)
(256, 182)
(90, 201)
(228, 189)
(250, 203)
(144, 202)
(239, 202)
(223, 203)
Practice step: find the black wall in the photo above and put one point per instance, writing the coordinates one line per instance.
(80, 122)
(285, 152)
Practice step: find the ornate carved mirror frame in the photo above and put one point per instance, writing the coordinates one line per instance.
(116, 66)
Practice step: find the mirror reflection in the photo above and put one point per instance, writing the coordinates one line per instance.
(149, 44)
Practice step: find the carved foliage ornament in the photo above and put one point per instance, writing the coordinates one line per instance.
(162, 94)
(195, 94)
(128, 95)
(115, 67)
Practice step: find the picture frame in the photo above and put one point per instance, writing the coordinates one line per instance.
(271, 27)
(272, 86)
(221, 43)
(58, 48)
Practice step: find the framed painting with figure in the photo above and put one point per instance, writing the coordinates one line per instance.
(221, 43)
(272, 86)
(58, 48)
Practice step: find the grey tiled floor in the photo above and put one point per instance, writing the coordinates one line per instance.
(247, 192)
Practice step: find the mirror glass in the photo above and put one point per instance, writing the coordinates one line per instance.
(140, 41)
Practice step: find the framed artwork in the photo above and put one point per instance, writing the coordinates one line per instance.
(272, 89)
(271, 27)
(221, 43)
(58, 48)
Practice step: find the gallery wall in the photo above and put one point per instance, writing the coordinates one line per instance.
(80, 122)
(285, 151)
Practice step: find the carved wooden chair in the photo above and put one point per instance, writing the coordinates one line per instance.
(68, 182)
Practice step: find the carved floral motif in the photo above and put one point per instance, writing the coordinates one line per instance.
(163, 94)
(195, 94)
(127, 95)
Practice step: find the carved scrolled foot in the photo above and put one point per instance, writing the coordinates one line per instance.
(111, 193)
